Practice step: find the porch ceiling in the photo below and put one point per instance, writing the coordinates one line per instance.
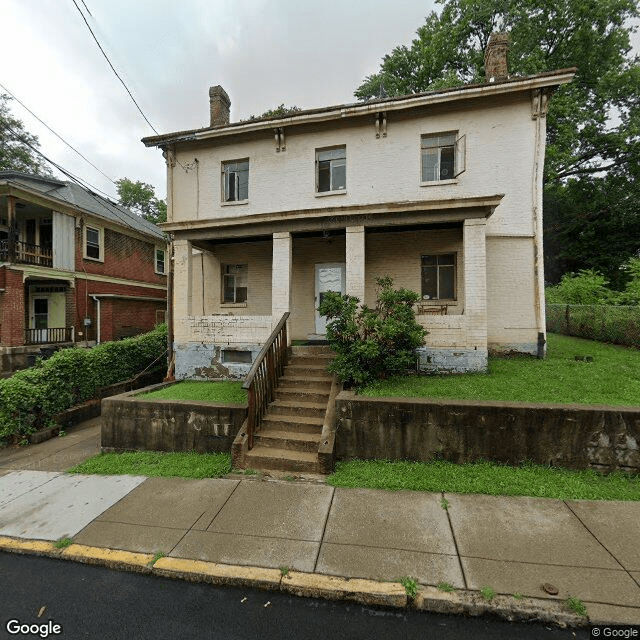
(391, 214)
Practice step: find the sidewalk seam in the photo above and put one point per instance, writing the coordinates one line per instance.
(324, 529)
(455, 542)
(627, 571)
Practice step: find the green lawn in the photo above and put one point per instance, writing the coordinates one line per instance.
(612, 378)
(200, 392)
(486, 477)
(155, 463)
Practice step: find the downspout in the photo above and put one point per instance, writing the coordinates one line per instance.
(97, 301)
(540, 101)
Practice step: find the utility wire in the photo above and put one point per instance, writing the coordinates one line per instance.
(113, 68)
(56, 134)
(87, 8)
(103, 201)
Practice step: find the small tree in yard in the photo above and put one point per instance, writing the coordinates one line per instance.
(372, 343)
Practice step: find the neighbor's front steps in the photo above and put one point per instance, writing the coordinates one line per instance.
(290, 432)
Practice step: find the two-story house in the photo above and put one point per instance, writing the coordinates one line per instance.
(74, 268)
(441, 190)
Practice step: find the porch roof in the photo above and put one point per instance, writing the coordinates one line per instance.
(387, 214)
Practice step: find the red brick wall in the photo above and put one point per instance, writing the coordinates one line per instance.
(118, 317)
(124, 257)
(12, 316)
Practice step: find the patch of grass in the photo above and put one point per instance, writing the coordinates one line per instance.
(63, 543)
(486, 477)
(446, 586)
(487, 593)
(284, 571)
(444, 503)
(155, 463)
(250, 472)
(225, 391)
(517, 596)
(612, 378)
(576, 605)
(157, 556)
(410, 586)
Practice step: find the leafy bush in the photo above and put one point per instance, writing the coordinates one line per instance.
(30, 399)
(631, 294)
(585, 287)
(372, 343)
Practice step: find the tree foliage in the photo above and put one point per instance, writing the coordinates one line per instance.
(277, 112)
(17, 144)
(372, 343)
(593, 125)
(141, 198)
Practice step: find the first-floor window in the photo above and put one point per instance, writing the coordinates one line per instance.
(439, 276)
(234, 283)
(92, 243)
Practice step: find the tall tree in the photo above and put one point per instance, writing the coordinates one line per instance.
(141, 197)
(17, 145)
(593, 124)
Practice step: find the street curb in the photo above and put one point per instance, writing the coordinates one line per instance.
(310, 585)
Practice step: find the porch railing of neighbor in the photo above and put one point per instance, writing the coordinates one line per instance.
(26, 253)
(48, 336)
(262, 380)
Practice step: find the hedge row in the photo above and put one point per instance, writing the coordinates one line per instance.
(31, 398)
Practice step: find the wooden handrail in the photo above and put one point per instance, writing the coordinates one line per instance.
(262, 380)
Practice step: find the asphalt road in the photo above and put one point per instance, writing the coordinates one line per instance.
(97, 603)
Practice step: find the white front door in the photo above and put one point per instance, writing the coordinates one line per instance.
(329, 277)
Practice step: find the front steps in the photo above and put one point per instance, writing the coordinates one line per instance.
(290, 434)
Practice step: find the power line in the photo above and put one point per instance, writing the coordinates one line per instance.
(113, 68)
(103, 201)
(56, 134)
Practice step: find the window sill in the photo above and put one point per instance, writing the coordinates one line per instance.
(93, 259)
(233, 305)
(336, 192)
(233, 203)
(435, 183)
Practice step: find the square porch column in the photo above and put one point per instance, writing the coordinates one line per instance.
(475, 281)
(182, 279)
(354, 258)
(281, 274)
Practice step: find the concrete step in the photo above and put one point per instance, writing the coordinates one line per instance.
(302, 395)
(289, 440)
(298, 408)
(312, 350)
(303, 369)
(268, 458)
(293, 424)
(306, 382)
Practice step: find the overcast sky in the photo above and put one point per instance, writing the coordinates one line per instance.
(263, 52)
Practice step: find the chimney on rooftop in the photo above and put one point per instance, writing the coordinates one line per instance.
(219, 106)
(495, 57)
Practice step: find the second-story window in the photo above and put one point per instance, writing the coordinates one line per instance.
(92, 243)
(160, 261)
(235, 179)
(442, 156)
(331, 169)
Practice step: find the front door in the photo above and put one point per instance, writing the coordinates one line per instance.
(329, 277)
(40, 318)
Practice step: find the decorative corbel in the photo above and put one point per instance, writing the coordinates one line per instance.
(381, 124)
(279, 137)
(539, 103)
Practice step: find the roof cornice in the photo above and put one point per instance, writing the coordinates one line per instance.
(342, 112)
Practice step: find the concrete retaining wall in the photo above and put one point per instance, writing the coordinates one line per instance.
(130, 422)
(573, 436)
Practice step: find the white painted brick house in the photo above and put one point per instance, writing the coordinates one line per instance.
(442, 191)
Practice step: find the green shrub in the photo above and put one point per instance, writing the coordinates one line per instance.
(372, 343)
(585, 287)
(30, 399)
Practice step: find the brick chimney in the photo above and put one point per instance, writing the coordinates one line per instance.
(495, 57)
(219, 105)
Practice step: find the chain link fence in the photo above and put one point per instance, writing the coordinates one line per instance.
(606, 323)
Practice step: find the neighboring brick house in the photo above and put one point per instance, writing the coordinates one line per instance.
(74, 268)
(441, 190)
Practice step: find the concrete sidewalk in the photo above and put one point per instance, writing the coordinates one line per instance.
(586, 549)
